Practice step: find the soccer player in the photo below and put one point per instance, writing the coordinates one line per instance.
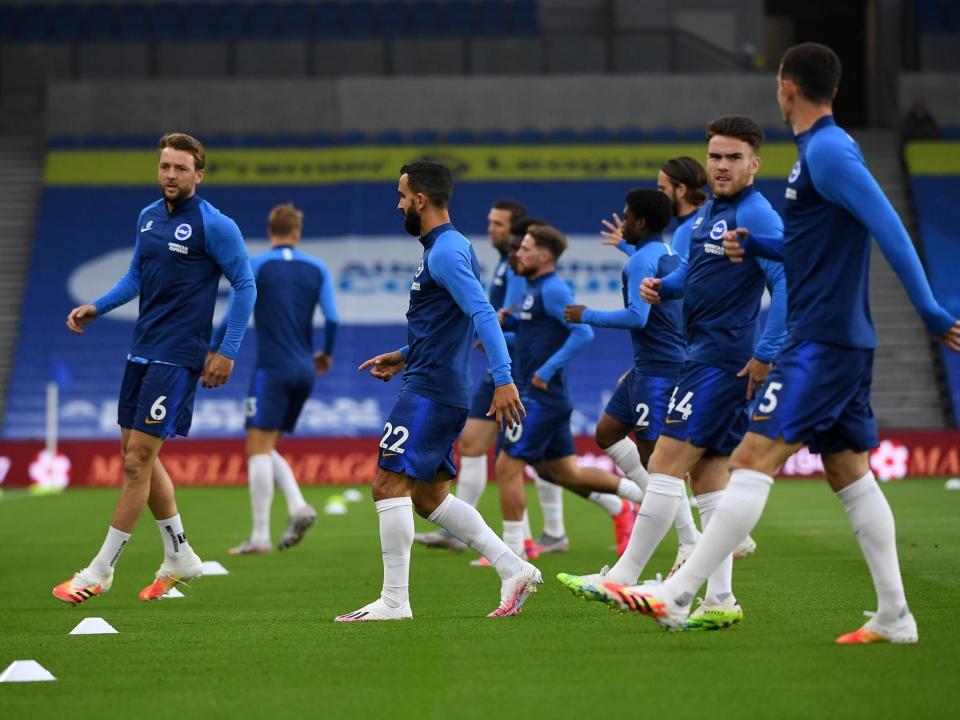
(707, 411)
(290, 285)
(183, 246)
(819, 391)
(415, 466)
(545, 345)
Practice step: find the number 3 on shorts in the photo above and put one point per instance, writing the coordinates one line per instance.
(769, 403)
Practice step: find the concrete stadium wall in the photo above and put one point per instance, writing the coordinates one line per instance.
(372, 104)
(940, 90)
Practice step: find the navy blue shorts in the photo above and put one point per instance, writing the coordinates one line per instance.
(820, 394)
(275, 399)
(544, 434)
(708, 408)
(482, 397)
(640, 401)
(418, 437)
(157, 398)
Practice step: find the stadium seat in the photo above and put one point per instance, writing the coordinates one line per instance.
(424, 137)
(692, 135)
(63, 142)
(526, 17)
(97, 22)
(135, 21)
(460, 136)
(529, 136)
(232, 20)
(598, 135)
(354, 137)
(169, 22)
(222, 140)
(328, 19)
(320, 139)
(289, 140)
(256, 140)
(9, 23)
(35, 22)
(390, 137)
(359, 19)
(394, 19)
(296, 19)
(264, 20)
(632, 135)
(494, 137)
(492, 18)
(426, 18)
(664, 135)
(563, 136)
(459, 17)
(950, 132)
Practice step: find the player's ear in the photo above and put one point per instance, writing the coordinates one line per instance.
(755, 164)
(199, 176)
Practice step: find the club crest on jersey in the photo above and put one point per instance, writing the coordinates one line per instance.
(794, 173)
(528, 302)
(718, 229)
(183, 232)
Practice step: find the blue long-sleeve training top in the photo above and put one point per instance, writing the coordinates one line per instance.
(833, 207)
(290, 285)
(656, 331)
(446, 305)
(721, 299)
(545, 341)
(177, 262)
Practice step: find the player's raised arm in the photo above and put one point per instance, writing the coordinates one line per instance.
(556, 297)
(839, 174)
(635, 315)
(613, 235)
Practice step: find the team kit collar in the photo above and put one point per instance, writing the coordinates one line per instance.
(188, 204)
(825, 121)
(720, 203)
(431, 237)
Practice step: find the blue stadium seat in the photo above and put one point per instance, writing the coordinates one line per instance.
(222, 140)
(390, 137)
(255, 140)
(492, 17)
(424, 137)
(232, 20)
(328, 19)
(354, 137)
(133, 141)
(494, 137)
(169, 21)
(63, 142)
(289, 140)
(461, 136)
(65, 22)
(135, 22)
(632, 135)
(296, 19)
(950, 132)
(359, 18)
(36, 22)
(426, 18)
(98, 22)
(394, 18)
(320, 139)
(264, 19)
(563, 136)
(598, 135)
(526, 17)
(664, 135)
(692, 135)
(529, 136)
(9, 22)
(459, 17)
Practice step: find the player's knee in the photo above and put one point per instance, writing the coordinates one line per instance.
(136, 458)
(606, 435)
(424, 505)
(474, 444)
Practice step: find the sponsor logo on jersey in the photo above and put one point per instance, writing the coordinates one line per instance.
(414, 285)
(148, 226)
(794, 173)
(178, 248)
(183, 232)
(718, 229)
(790, 194)
(711, 249)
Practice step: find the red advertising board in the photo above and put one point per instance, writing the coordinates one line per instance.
(332, 461)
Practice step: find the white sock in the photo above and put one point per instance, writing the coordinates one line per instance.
(110, 551)
(396, 539)
(687, 531)
(463, 521)
(287, 482)
(736, 515)
(513, 535)
(472, 480)
(175, 545)
(653, 521)
(527, 532)
(625, 454)
(720, 582)
(611, 503)
(551, 502)
(630, 490)
(260, 475)
(872, 522)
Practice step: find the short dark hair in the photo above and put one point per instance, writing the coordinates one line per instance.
(548, 237)
(686, 171)
(651, 205)
(516, 208)
(187, 143)
(520, 227)
(431, 178)
(284, 220)
(814, 68)
(739, 127)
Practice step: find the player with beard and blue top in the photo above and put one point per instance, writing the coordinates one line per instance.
(415, 465)
(183, 247)
(819, 391)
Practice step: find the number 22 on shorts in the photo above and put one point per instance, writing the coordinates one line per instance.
(400, 435)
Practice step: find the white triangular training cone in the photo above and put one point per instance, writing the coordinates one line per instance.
(25, 671)
(172, 594)
(212, 567)
(93, 626)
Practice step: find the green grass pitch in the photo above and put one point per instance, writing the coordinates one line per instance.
(260, 642)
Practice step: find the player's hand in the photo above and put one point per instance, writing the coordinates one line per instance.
(951, 338)
(506, 406)
(80, 317)
(216, 370)
(614, 231)
(574, 313)
(322, 363)
(502, 315)
(757, 372)
(384, 367)
(650, 290)
(732, 246)
(538, 382)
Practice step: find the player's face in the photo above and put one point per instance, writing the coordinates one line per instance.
(731, 165)
(666, 186)
(407, 205)
(498, 228)
(514, 249)
(632, 230)
(529, 257)
(784, 97)
(178, 175)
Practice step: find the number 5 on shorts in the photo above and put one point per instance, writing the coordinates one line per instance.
(769, 402)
